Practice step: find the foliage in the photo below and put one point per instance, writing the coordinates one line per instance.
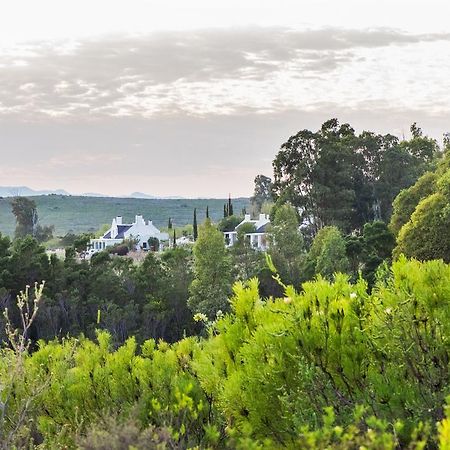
(25, 212)
(27, 220)
(406, 201)
(229, 223)
(327, 254)
(336, 345)
(248, 262)
(287, 248)
(145, 300)
(212, 272)
(423, 234)
(333, 366)
(118, 249)
(14, 411)
(262, 193)
(81, 241)
(194, 225)
(116, 435)
(367, 252)
(335, 177)
(153, 244)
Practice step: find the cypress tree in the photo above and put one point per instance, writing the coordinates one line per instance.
(169, 225)
(207, 212)
(174, 245)
(230, 206)
(225, 213)
(195, 224)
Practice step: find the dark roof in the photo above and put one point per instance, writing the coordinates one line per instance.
(121, 229)
(262, 228)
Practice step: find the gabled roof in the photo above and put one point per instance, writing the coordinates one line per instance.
(260, 224)
(121, 229)
(262, 228)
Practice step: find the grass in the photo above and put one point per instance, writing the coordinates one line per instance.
(87, 214)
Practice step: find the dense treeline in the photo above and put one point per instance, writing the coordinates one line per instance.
(263, 378)
(158, 297)
(145, 300)
(338, 178)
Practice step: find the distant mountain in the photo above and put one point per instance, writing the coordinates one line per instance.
(141, 195)
(24, 191)
(152, 197)
(93, 194)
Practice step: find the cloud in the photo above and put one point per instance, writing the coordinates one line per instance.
(221, 71)
(216, 71)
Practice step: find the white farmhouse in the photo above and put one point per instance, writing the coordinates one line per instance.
(140, 230)
(257, 238)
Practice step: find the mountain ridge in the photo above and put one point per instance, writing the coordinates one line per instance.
(25, 191)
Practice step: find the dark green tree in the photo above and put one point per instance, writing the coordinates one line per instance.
(314, 172)
(26, 215)
(174, 240)
(262, 192)
(327, 254)
(169, 224)
(287, 247)
(211, 286)
(406, 201)
(247, 262)
(27, 220)
(229, 223)
(335, 177)
(153, 244)
(81, 241)
(426, 235)
(230, 206)
(378, 243)
(207, 212)
(194, 224)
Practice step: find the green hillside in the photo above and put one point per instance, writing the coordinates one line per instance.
(81, 214)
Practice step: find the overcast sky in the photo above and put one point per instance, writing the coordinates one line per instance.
(168, 99)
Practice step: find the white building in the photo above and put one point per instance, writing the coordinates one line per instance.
(257, 238)
(140, 230)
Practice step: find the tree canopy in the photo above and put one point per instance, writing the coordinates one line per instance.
(422, 216)
(336, 177)
(212, 272)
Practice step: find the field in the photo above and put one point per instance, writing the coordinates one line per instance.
(83, 214)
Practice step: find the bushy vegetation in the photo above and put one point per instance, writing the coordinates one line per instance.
(333, 365)
(421, 216)
(113, 293)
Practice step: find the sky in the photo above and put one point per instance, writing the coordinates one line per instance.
(194, 98)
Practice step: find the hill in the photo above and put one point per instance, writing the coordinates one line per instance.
(24, 191)
(82, 214)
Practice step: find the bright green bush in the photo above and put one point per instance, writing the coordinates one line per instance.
(332, 366)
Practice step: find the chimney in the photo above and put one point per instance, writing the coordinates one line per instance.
(247, 218)
(119, 220)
